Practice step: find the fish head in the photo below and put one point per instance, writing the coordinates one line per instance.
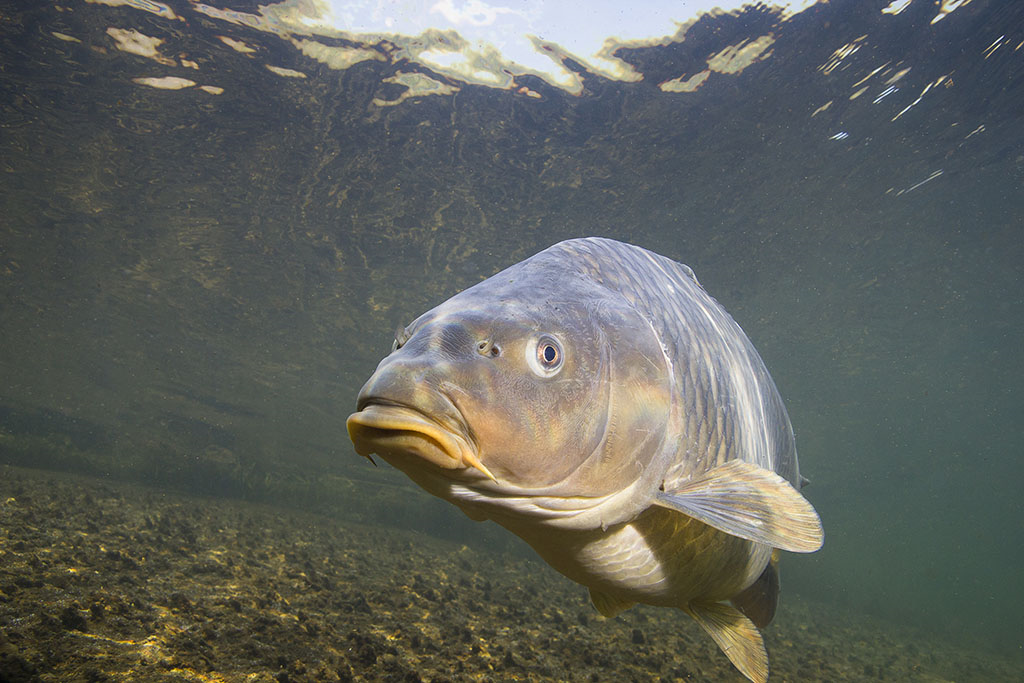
(556, 390)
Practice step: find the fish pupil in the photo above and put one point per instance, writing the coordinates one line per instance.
(548, 354)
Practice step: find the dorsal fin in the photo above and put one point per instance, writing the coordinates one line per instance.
(736, 635)
(688, 271)
(759, 600)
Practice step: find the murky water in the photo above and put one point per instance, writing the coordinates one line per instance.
(194, 283)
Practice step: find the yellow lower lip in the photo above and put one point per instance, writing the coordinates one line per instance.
(389, 430)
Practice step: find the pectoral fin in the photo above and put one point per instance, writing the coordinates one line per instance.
(736, 635)
(607, 605)
(745, 500)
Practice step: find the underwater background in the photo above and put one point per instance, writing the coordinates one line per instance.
(215, 217)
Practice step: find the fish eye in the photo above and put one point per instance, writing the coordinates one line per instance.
(549, 355)
(545, 356)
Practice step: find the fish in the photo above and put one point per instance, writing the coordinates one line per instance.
(597, 402)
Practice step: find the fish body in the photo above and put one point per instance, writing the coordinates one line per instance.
(597, 402)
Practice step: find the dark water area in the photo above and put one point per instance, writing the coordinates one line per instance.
(194, 285)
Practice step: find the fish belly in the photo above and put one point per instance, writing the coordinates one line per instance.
(660, 558)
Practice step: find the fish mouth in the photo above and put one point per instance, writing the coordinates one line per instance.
(393, 430)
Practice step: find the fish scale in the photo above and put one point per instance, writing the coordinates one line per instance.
(595, 401)
(630, 271)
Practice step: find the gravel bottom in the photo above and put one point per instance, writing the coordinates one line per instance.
(100, 581)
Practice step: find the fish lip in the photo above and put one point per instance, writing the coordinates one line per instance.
(392, 430)
(363, 401)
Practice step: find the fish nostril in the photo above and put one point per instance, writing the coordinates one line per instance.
(485, 347)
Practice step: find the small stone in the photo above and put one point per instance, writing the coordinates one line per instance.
(72, 620)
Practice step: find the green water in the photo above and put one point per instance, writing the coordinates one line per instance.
(193, 286)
